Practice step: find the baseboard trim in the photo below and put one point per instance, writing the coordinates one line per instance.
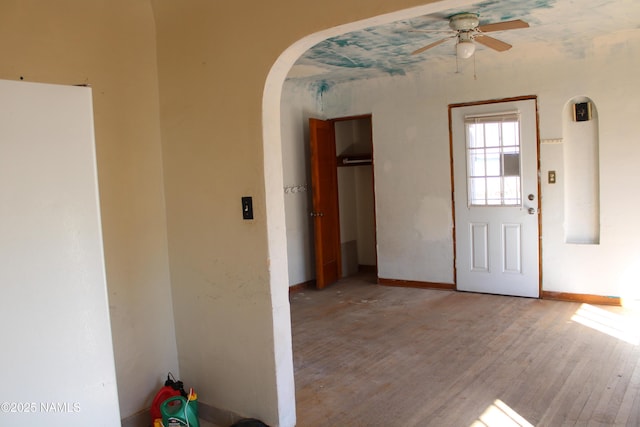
(584, 298)
(310, 284)
(416, 284)
(550, 295)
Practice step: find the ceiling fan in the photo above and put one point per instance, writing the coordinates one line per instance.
(467, 30)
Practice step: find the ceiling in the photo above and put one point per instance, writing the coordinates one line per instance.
(569, 26)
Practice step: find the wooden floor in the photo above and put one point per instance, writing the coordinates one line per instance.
(370, 355)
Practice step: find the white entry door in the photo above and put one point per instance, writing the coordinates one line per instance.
(495, 166)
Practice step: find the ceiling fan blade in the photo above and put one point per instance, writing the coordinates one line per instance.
(429, 46)
(502, 26)
(431, 31)
(494, 44)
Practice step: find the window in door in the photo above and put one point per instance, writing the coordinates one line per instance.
(493, 160)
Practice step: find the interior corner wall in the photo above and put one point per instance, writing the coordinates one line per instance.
(412, 176)
(111, 47)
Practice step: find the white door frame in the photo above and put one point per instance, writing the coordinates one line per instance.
(453, 187)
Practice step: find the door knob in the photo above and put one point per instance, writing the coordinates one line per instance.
(532, 211)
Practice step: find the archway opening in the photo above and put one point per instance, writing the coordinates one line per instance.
(274, 194)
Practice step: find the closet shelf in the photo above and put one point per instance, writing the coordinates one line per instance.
(355, 159)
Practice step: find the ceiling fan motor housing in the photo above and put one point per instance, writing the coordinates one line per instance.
(464, 21)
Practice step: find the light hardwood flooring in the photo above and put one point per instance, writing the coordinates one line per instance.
(370, 355)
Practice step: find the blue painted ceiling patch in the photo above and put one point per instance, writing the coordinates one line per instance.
(566, 26)
(386, 49)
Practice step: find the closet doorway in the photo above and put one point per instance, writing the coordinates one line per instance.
(343, 197)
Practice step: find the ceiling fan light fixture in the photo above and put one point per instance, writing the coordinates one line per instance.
(464, 21)
(465, 49)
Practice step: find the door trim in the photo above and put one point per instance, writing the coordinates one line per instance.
(453, 203)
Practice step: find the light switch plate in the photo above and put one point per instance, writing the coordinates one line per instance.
(552, 177)
(247, 208)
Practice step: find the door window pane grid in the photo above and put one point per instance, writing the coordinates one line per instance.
(493, 161)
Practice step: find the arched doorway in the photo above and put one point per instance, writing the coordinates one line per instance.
(274, 196)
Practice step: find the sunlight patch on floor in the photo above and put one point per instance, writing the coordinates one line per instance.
(612, 324)
(499, 414)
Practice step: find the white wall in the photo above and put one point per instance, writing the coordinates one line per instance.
(296, 108)
(299, 103)
(57, 350)
(412, 174)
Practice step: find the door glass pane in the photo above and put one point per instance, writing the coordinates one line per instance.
(492, 134)
(477, 189)
(510, 133)
(494, 191)
(477, 163)
(493, 161)
(511, 190)
(475, 134)
(511, 163)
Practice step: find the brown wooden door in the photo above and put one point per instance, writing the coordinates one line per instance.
(324, 183)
